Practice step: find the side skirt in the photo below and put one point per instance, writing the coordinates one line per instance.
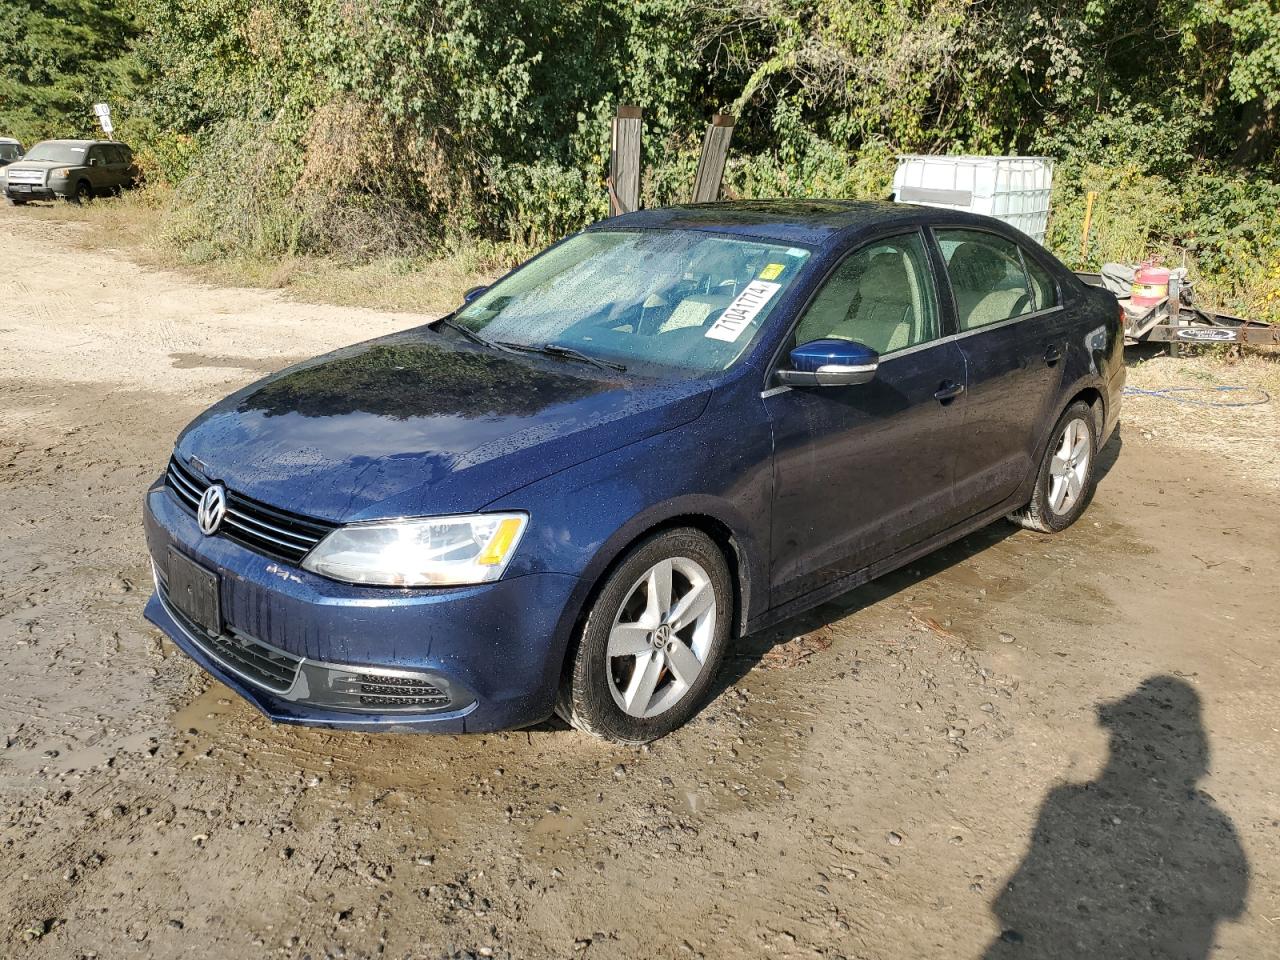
(856, 579)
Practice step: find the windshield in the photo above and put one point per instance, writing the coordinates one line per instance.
(56, 152)
(654, 301)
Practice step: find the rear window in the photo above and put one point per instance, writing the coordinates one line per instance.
(8, 151)
(1042, 284)
(988, 279)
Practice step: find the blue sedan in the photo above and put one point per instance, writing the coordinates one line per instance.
(672, 429)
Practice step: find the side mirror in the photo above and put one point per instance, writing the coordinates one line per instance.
(93, 161)
(830, 363)
(473, 293)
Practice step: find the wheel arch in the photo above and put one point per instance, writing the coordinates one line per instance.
(1096, 401)
(711, 520)
(1084, 390)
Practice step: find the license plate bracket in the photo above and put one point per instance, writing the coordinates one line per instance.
(193, 591)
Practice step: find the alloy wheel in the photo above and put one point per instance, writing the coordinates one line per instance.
(661, 636)
(1069, 467)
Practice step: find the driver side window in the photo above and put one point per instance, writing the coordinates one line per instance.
(880, 296)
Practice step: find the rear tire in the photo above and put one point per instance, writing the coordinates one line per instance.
(1066, 480)
(652, 642)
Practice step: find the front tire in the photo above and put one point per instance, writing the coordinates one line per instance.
(84, 192)
(1066, 481)
(17, 201)
(653, 640)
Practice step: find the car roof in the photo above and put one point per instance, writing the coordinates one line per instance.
(811, 222)
(81, 143)
(9, 140)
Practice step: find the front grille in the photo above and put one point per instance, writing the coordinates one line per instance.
(385, 690)
(25, 175)
(264, 665)
(269, 530)
(255, 661)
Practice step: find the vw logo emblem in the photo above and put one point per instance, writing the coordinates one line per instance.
(213, 507)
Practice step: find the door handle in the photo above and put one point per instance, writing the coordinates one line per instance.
(948, 391)
(1052, 354)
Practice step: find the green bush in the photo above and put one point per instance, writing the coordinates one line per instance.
(403, 127)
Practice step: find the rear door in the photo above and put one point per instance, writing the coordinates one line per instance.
(861, 472)
(1012, 333)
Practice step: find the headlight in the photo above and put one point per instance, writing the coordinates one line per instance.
(58, 172)
(434, 551)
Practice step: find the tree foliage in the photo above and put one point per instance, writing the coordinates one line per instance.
(60, 57)
(360, 126)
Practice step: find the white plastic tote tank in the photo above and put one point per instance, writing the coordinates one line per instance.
(1012, 189)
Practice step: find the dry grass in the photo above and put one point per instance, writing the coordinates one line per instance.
(1244, 439)
(133, 225)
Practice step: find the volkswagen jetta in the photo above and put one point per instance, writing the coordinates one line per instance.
(674, 428)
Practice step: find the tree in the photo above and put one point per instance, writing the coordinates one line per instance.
(62, 56)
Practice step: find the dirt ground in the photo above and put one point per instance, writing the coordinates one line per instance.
(1022, 746)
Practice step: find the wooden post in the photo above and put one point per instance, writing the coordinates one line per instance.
(1091, 196)
(715, 151)
(624, 161)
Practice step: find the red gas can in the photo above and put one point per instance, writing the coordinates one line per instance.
(1150, 285)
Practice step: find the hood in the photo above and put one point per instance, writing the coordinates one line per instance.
(415, 425)
(25, 164)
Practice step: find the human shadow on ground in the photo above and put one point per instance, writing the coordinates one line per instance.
(1137, 863)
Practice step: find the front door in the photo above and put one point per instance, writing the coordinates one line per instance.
(862, 472)
(99, 173)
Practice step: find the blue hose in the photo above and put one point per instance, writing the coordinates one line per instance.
(1167, 394)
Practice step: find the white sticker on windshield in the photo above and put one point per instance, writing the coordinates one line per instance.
(738, 315)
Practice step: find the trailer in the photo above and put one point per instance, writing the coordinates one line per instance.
(1176, 318)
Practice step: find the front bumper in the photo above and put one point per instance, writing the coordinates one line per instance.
(494, 650)
(33, 192)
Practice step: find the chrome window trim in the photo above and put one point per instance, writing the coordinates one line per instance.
(929, 344)
(963, 334)
(845, 368)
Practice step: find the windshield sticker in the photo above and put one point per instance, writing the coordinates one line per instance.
(738, 315)
(772, 271)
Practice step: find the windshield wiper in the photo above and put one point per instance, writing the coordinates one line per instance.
(448, 321)
(557, 350)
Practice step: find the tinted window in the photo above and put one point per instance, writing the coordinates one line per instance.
(881, 296)
(1042, 284)
(96, 153)
(8, 151)
(987, 277)
(112, 154)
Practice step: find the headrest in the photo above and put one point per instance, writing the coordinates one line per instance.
(886, 278)
(976, 268)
